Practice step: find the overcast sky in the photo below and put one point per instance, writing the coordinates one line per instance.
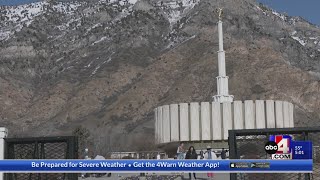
(308, 9)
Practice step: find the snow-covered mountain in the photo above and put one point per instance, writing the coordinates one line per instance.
(105, 64)
(310, 38)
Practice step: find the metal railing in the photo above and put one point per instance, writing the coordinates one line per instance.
(41, 148)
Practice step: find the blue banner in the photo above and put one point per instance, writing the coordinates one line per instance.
(125, 166)
(301, 149)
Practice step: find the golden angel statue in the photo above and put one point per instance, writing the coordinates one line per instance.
(220, 12)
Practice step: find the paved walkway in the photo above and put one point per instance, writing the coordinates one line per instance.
(217, 176)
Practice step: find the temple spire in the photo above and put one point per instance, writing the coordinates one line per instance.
(222, 79)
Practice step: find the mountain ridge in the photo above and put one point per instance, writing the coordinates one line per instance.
(106, 65)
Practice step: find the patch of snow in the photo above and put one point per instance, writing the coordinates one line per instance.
(132, 1)
(69, 67)
(313, 38)
(96, 25)
(93, 27)
(61, 27)
(107, 1)
(98, 67)
(189, 38)
(121, 2)
(109, 60)
(170, 45)
(126, 7)
(18, 27)
(67, 25)
(124, 13)
(59, 59)
(25, 12)
(87, 66)
(293, 33)
(75, 20)
(4, 35)
(293, 20)
(315, 42)
(16, 17)
(181, 25)
(66, 8)
(301, 41)
(175, 43)
(261, 10)
(100, 40)
(175, 10)
(281, 16)
(19, 16)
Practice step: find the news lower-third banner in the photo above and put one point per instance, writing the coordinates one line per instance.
(160, 166)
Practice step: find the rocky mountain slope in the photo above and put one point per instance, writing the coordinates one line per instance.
(106, 64)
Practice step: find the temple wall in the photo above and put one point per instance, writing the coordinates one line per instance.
(207, 121)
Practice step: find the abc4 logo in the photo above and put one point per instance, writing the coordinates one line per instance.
(282, 147)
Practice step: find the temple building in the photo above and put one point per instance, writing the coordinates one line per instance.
(203, 123)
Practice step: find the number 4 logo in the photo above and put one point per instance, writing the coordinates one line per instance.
(283, 143)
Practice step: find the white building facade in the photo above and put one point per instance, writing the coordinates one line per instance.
(210, 121)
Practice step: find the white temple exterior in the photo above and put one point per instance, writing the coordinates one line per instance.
(222, 79)
(210, 121)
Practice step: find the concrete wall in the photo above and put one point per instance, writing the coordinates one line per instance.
(195, 123)
(205, 121)
(211, 121)
(174, 119)
(184, 122)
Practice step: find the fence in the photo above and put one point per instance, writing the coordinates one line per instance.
(249, 144)
(41, 148)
